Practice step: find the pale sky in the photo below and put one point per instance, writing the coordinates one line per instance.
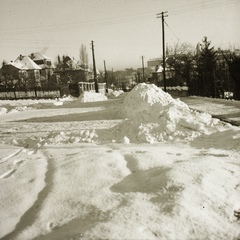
(122, 30)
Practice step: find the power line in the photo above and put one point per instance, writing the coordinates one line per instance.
(171, 30)
(207, 6)
(113, 20)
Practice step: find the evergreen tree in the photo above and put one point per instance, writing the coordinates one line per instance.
(206, 65)
(233, 62)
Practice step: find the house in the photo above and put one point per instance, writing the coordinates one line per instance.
(41, 60)
(70, 71)
(9, 73)
(45, 64)
(152, 63)
(23, 72)
(29, 70)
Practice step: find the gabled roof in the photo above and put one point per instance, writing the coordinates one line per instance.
(160, 69)
(18, 65)
(70, 62)
(38, 56)
(27, 63)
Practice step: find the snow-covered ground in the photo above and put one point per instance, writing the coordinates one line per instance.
(228, 110)
(140, 165)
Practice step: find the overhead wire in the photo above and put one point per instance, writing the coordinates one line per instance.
(204, 7)
(171, 30)
(113, 20)
(6, 35)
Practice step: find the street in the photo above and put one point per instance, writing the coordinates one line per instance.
(228, 111)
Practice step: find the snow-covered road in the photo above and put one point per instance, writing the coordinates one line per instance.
(226, 110)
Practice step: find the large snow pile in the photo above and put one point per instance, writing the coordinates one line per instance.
(154, 116)
(91, 97)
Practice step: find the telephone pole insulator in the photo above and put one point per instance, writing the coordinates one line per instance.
(161, 15)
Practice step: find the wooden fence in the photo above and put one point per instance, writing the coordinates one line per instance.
(29, 94)
(55, 93)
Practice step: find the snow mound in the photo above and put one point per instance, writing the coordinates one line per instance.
(114, 94)
(91, 97)
(9, 106)
(154, 116)
(21, 109)
(66, 98)
(3, 110)
(147, 99)
(57, 138)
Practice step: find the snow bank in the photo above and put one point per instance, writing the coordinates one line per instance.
(3, 110)
(57, 138)
(91, 97)
(7, 106)
(178, 88)
(114, 94)
(21, 181)
(154, 116)
(66, 98)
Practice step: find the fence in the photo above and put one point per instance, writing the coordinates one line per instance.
(55, 93)
(90, 87)
(29, 94)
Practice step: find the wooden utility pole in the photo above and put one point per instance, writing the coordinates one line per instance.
(163, 40)
(143, 69)
(94, 69)
(105, 75)
(112, 77)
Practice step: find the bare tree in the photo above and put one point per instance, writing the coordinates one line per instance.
(179, 62)
(83, 55)
(180, 49)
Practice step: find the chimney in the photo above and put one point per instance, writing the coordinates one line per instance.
(32, 56)
(20, 57)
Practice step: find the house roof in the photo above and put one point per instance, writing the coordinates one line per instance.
(25, 62)
(160, 69)
(18, 65)
(38, 56)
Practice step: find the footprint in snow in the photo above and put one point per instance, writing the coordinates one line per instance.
(51, 226)
(18, 162)
(140, 151)
(8, 174)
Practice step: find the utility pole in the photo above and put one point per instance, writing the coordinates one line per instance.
(112, 78)
(105, 75)
(143, 69)
(94, 70)
(163, 40)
